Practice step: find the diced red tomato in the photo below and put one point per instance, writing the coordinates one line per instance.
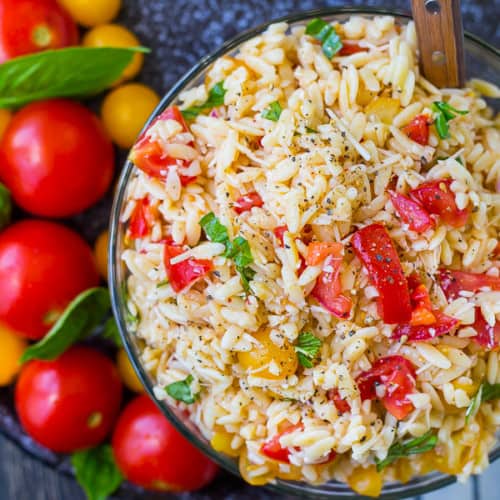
(349, 48)
(317, 252)
(247, 202)
(375, 250)
(437, 198)
(279, 232)
(397, 375)
(327, 290)
(422, 310)
(341, 404)
(442, 325)
(272, 447)
(418, 129)
(411, 212)
(149, 156)
(453, 282)
(182, 274)
(487, 336)
(142, 219)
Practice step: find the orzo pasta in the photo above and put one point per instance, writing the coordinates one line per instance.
(313, 258)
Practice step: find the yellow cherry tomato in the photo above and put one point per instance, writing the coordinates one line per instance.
(221, 442)
(258, 361)
(113, 35)
(92, 12)
(5, 116)
(366, 481)
(127, 372)
(125, 110)
(12, 347)
(101, 253)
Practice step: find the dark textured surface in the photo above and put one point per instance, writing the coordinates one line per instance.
(180, 33)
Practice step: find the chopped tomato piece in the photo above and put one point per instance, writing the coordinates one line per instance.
(182, 274)
(421, 316)
(422, 313)
(279, 232)
(142, 219)
(453, 282)
(442, 325)
(341, 404)
(437, 198)
(411, 212)
(418, 129)
(149, 156)
(327, 290)
(247, 202)
(272, 447)
(397, 375)
(349, 48)
(317, 252)
(375, 250)
(487, 336)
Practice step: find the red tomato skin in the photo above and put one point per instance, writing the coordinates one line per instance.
(418, 130)
(349, 48)
(397, 374)
(149, 156)
(151, 453)
(487, 336)
(56, 158)
(24, 25)
(318, 251)
(43, 267)
(142, 219)
(437, 198)
(279, 232)
(272, 447)
(453, 282)
(341, 404)
(411, 212)
(327, 290)
(55, 400)
(247, 202)
(374, 248)
(182, 274)
(444, 324)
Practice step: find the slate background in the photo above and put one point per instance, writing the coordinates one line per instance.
(180, 32)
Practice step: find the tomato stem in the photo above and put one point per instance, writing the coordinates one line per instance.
(42, 36)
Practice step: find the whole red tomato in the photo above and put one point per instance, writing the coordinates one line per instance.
(28, 26)
(43, 266)
(70, 403)
(152, 454)
(56, 158)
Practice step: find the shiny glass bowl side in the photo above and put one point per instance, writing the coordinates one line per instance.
(483, 61)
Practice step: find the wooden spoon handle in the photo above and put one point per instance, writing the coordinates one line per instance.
(441, 41)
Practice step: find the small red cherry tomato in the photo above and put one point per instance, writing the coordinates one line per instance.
(375, 249)
(318, 251)
(28, 26)
(70, 403)
(453, 282)
(151, 453)
(182, 274)
(327, 290)
(149, 156)
(247, 202)
(488, 336)
(341, 404)
(56, 158)
(437, 198)
(349, 48)
(418, 129)
(43, 267)
(397, 376)
(411, 212)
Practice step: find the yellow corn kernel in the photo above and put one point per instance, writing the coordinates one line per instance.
(384, 108)
(366, 481)
(221, 442)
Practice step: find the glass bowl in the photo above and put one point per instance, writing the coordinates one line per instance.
(482, 60)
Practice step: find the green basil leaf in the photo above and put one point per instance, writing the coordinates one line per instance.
(486, 392)
(68, 72)
(81, 316)
(414, 446)
(96, 472)
(5, 206)
(239, 251)
(246, 275)
(161, 284)
(441, 125)
(449, 111)
(273, 112)
(490, 392)
(215, 99)
(214, 230)
(181, 390)
(111, 332)
(307, 349)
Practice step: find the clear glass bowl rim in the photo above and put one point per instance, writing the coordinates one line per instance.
(391, 491)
